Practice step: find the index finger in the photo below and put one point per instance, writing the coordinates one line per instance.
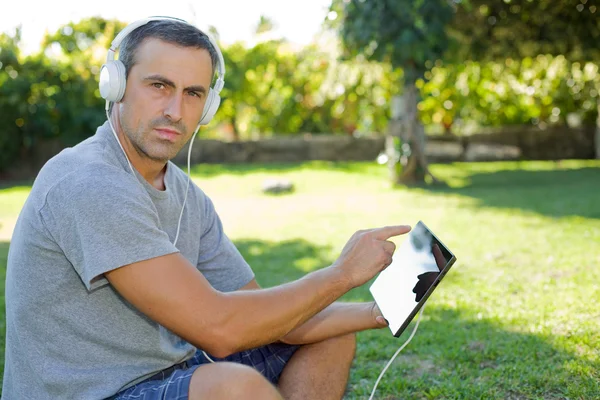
(387, 232)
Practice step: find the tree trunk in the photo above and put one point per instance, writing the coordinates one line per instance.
(405, 142)
(235, 134)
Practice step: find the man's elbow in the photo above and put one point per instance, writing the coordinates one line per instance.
(220, 343)
(218, 351)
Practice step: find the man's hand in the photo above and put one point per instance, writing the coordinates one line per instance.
(378, 316)
(368, 253)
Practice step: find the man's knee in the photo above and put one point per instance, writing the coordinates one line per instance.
(346, 344)
(340, 347)
(225, 380)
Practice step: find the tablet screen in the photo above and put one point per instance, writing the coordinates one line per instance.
(418, 263)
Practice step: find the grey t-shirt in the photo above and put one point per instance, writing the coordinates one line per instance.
(69, 334)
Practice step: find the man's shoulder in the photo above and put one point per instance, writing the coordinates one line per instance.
(80, 169)
(74, 168)
(91, 152)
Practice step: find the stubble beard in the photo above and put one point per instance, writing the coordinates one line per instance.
(148, 147)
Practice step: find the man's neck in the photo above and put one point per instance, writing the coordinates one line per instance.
(153, 172)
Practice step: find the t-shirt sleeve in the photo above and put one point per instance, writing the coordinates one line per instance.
(219, 260)
(103, 219)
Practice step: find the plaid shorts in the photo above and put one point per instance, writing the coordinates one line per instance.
(173, 383)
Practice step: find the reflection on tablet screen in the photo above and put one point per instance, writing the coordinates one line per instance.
(416, 264)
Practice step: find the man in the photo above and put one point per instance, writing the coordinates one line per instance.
(101, 304)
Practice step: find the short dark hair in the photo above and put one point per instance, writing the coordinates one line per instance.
(178, 33)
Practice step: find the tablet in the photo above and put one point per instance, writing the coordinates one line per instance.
(418, 265)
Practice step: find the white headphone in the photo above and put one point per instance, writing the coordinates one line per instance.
(113, 77)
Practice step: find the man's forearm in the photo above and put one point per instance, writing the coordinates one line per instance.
(337, 319)
(253, 318)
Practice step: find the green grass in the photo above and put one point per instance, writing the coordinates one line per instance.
(517, 318)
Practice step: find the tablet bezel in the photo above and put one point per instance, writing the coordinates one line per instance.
(430, 290)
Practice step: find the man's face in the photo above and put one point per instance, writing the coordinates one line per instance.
(164, 97)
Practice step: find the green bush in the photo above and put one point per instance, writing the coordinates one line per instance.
(271, 88)
(542, 90)
(42, 98)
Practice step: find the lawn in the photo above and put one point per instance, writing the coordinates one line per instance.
(518, 317)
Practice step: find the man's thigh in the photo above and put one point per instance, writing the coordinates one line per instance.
(176, 386)
(268, 360)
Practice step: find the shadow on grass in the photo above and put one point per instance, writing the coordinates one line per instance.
(554, 193)
(275, 263)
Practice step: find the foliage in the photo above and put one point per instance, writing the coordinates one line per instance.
(542, 90)
(42, 99)
(494, 30)
(51, 94)
(405, 33)
(531, 57)
(84, 42)
(265, 24)
(10, 140)
(538, 63)
(274, 89)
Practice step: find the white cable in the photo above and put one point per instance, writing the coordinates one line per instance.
(206, 355)
(187, 187)
(398, 352)
(133, 172)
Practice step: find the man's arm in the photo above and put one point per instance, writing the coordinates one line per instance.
(337, 319)
(172, 292)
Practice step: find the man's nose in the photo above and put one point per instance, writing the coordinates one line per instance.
(174, 108)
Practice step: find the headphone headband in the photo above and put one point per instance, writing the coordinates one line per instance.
(110, 56)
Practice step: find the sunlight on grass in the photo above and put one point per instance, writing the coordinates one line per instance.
(516, 318)
(11, 201)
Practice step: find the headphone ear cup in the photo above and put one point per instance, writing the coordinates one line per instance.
(112, 81)
(210, 107)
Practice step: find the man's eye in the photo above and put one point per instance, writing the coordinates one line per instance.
(194, 94)
(158, 85)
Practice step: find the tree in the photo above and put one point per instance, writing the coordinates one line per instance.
(265, 24)
(408, 34)
(492, 30)
(80, 49)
